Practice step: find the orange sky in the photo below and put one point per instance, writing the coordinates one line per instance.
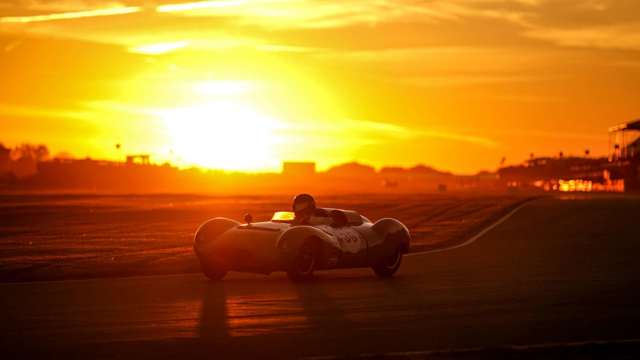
(243, 85)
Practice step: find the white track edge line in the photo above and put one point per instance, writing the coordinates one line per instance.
(477, 236)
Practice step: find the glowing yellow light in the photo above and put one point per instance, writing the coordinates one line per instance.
(198, 5)
(161, 48)
(283, 216)
(223, 88)
(228, 135)
(574, 185)
(72, 15)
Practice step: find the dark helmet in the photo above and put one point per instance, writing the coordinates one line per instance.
(304, 205)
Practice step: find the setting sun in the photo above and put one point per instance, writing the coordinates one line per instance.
(226, 134)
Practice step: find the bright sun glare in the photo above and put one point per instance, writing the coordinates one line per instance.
(225, 134)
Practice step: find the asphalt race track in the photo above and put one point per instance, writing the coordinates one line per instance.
(559, 271)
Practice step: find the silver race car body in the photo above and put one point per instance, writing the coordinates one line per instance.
(330, 239)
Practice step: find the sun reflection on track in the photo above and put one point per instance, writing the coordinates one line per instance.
(250, 315)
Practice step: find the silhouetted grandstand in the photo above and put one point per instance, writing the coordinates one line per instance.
(620, 171)
(624, 154)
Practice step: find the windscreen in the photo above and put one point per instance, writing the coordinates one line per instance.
(283, 216)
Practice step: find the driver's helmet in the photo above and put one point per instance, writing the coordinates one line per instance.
(304, 205)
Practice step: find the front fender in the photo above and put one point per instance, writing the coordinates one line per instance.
(291, 240)
(208, 232)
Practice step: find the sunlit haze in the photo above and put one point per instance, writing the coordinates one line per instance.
(245, 85)
(224, 135)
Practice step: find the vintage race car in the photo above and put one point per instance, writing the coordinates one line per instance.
(330, 239)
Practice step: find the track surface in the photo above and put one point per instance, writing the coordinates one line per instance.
(559, 270)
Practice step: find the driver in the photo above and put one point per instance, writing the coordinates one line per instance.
(304, 206)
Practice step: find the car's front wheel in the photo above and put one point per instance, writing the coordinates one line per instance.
(389, 265)
(213, 271)
(302, 265)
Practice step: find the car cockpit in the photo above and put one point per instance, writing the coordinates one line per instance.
(324, 216)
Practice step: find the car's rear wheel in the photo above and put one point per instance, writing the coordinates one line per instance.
(213, 271)
(389, 265)
(302, 265)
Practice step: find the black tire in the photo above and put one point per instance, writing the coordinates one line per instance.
(302, 265)
(389, 265)
(212, 271)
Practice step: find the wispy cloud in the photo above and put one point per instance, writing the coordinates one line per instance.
(199, 5)
(603, 37)
(458, 137)
(556, 134)
(307, 14)
(451, 66)
(365, 132)
(286, 48)
(159, 48)
(605, 23)
(72, 15)
(62, 5)
(470, 79)
(35, 112)
(528, 98)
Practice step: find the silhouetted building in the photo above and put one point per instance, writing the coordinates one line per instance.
(352, 169)
(139, 159)
(553, 169)
(624, 141)
(619, 172)
(300, 168)
(624, 154)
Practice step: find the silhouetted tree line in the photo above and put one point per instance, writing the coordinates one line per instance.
(22, 160)
(31, 152)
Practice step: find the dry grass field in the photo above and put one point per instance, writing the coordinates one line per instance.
(54, 237)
